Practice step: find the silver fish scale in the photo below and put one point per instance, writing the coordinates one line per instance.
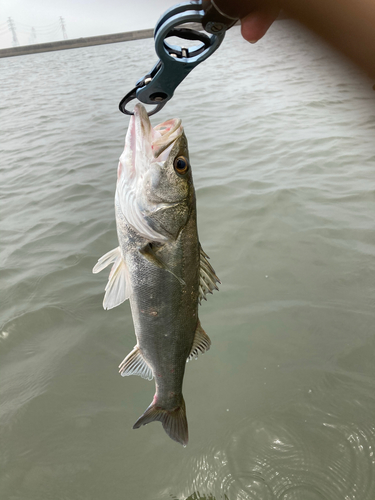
(165, 312)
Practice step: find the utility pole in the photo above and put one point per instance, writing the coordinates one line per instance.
(32, 38)
(12, 28)
(62, 24)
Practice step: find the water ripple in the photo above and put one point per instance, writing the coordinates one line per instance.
(319, 448)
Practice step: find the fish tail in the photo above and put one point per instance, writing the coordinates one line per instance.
(174, 421)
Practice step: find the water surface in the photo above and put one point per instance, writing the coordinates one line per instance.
(282, 407)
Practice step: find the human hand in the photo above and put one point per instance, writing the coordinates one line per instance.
(348, 25)
(256, 15)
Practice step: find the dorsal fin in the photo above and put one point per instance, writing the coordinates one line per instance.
(201, 343)
(207, 276)
(135, 364)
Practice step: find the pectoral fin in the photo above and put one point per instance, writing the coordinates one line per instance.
(201, 343)
(207, 276)
(148, 252)
(118, 286)
(135, 364)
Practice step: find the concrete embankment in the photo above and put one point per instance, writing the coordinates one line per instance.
(76, 43)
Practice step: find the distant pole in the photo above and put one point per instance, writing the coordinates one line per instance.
(12, 28)
(62, 24)
(33, 36)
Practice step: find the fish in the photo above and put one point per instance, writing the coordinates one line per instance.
(159, 265)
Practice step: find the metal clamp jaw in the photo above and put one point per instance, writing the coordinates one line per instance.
(158, 86)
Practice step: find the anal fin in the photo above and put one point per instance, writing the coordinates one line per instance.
(201, 343)
(135, 364)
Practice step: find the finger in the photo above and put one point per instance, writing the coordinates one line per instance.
(255, 25)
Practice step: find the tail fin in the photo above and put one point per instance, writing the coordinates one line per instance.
(174, 421)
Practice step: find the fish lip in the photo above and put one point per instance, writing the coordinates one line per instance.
(161, 137)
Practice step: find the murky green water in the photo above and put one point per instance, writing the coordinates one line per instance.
(282, 407)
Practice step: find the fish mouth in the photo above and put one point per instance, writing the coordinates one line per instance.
(161, 137)
(145, 145)
(169, 131)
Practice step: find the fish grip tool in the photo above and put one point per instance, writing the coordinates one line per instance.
(176, 62)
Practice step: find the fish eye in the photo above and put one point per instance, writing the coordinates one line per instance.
(181, 165)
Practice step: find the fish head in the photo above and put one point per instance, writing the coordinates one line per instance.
(155, 190)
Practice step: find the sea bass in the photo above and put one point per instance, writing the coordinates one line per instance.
(159, 264)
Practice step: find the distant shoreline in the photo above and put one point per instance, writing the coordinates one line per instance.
(89, 41)
(76, 43)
